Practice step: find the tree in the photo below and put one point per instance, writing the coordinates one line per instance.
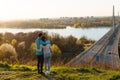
(56, 54)
(8, 53)
(55, 50)
(21, 50)
(8, 36)
(32, 50)
(14, 42)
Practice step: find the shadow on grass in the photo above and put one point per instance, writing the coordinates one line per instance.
(115, 77)
(84, 70)
(47, 77)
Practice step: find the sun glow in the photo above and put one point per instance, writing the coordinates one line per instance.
(34, 9)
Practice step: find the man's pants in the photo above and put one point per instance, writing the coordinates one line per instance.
(40, 63)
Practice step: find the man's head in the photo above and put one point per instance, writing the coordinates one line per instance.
(40, 35)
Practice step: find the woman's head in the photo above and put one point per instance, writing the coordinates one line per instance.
(44, 38)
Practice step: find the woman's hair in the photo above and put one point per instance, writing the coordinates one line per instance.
(43, 38)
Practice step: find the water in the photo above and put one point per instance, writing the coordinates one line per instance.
(90, 33)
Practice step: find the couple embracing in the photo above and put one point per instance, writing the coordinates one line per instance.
(43, 53)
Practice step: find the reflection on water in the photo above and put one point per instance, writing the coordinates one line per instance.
(91, 33)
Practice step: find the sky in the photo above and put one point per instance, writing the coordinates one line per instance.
(35, 9)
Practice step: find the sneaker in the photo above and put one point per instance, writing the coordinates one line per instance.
(41, 73)
(47, 72)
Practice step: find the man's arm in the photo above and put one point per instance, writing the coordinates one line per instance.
(46, 42)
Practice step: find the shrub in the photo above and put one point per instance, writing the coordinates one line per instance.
(14, 42)
(56, 53)
(55, 50)
(8, 53)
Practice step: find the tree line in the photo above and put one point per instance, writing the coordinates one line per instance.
(61, 22)
(20, 48)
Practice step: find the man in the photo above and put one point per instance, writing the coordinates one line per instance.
(39, 53)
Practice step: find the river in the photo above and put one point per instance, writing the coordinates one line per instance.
(90, 33)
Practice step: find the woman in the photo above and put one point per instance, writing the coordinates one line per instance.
(45, 48)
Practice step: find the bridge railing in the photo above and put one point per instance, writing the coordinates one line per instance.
(82, 55)
(98, 48)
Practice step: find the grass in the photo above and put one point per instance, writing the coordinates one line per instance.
(23, 72)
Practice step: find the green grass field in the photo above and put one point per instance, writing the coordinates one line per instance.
(23, 72)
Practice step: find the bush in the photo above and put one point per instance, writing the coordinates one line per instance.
(55, 50)
(56, 54)
(8, 53)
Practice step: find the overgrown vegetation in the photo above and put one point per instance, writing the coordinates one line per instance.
(23, 72)
(20, 48)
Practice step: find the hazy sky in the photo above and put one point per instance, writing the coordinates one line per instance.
(35, 9)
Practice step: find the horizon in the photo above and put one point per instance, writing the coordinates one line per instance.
(85, 17)
(36, 9)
